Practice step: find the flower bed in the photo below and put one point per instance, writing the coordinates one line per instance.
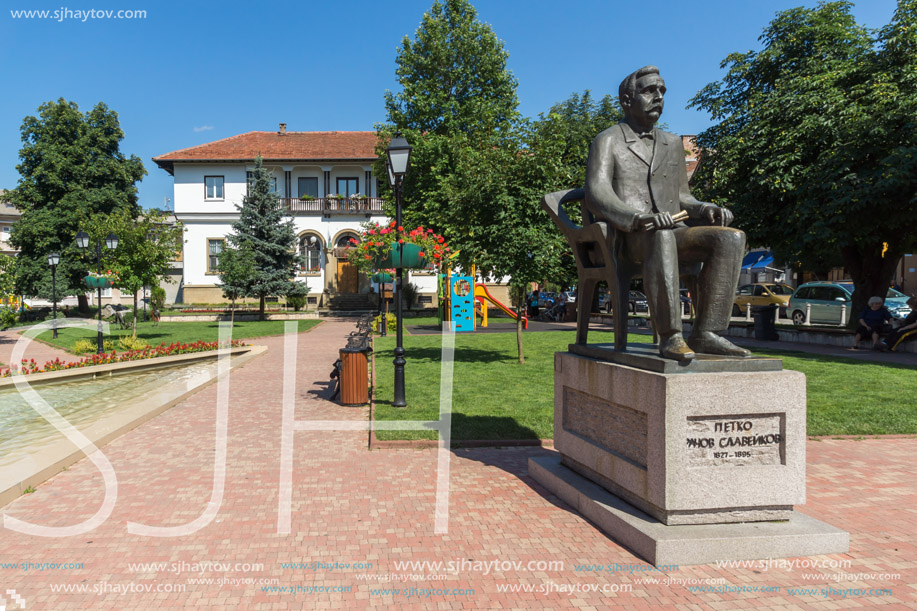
(30, 366)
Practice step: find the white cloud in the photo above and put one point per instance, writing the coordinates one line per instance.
(203, 128)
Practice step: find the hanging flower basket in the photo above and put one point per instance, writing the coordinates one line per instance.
(100, 281)
(402, 255)
(388, 246)
(381, 277)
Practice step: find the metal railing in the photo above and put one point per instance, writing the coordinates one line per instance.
(331, 205)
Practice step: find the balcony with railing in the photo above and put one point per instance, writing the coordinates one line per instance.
(331, 206)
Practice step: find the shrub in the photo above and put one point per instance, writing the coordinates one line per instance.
(391, 323)
(297, 302)
(129, 343)
(8, 317)
(82, 346)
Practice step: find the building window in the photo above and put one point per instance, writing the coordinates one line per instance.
(347, 186)
(213, 187)
(308, 187)
(214, 248)
(311, 248)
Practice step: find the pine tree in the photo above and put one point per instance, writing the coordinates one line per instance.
(262, 230)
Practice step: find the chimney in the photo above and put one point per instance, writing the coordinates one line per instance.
(283, 128)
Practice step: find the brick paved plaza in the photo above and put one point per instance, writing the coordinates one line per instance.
(352, 506)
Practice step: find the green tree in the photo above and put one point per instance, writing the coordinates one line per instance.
(262, 230)
(568, 129)
(70, 169)
(477, 171)
(237, 272)
(7, 276)
(456, 93)
(815, 145)
(146, 247)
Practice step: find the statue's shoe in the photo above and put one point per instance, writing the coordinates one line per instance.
(674, 347)
(711, 343)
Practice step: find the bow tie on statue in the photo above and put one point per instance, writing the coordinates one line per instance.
(646, 135)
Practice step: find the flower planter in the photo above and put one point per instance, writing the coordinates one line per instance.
(381, 277)
(402, 255)
(98, 282)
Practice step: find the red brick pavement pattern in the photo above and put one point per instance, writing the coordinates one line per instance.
(351, 505)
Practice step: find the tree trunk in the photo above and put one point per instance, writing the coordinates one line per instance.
(261, 309)
(134, 321)
(82, 303)
(871, 274)
(519, 312)
(232, 313)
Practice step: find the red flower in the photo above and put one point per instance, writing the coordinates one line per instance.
(421, 254)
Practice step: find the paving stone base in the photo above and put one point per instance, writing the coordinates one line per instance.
(684, 545)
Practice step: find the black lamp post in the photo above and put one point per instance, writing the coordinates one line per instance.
(399, 154)
(53, 260)
(82, 240)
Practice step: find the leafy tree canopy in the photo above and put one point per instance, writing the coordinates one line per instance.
(71, 169)
(146, 247)
(815, 145)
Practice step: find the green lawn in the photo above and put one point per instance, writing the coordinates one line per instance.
(169, 332)
(496, 398)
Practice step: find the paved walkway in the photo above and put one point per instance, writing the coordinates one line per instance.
(39, 351)
(377, 508)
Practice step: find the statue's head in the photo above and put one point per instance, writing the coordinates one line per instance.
(641, 95)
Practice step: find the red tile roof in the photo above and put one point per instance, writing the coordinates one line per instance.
(273, 146)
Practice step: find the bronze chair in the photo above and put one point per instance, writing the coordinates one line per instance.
(599, 256)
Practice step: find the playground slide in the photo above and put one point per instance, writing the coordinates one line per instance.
(481, 294)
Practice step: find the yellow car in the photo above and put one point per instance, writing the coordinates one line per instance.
(761, 294)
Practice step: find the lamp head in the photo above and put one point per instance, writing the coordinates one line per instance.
(399, 155)
(82, 240)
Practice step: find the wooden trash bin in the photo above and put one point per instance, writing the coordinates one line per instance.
(354, 377)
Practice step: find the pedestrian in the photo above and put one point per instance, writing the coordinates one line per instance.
(905, 332)
(872, 319)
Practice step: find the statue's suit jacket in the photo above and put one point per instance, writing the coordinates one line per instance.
(624, 179)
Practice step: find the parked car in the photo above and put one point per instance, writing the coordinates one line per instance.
(761, 294)
(636, 302)
(546, 299)
(826, 299)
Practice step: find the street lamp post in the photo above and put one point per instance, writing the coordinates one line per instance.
(398, 155)
(82, 240)
(53, 260)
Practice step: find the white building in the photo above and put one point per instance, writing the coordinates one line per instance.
(326, 183)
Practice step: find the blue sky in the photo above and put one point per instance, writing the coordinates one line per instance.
(193, 72)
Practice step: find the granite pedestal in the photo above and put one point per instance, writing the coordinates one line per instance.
(723, 445)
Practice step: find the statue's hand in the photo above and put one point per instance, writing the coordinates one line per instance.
(716, 215)
(651, 222)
